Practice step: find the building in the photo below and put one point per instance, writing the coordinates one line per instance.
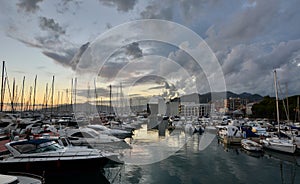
(194, 109)
(173, 108)
(233, 104)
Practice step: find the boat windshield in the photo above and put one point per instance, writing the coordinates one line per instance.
(38, 148)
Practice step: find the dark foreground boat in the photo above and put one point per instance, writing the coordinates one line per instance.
(46, 157)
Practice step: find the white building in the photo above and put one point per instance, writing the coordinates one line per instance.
(193, 109)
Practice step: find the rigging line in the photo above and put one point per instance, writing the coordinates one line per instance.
(9, 91)
(284, 106)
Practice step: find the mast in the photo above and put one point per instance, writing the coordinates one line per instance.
(57, 102)
(2, 86)
(34, 93)
(13, 95)
(287, 103)
(72, 92)
(96, 95)
(277, 107)
(22, 96)
(52, 96)
(46, 98)
(67, 99)
(110, 105)
(29, 101)
(75, 94)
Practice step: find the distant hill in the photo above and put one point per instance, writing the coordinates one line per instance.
(207, 97)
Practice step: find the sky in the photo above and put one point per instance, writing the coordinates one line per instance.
(104, 42)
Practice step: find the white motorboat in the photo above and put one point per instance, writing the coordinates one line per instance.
(46, 156)
(122, 134)
(91, 138)
(251, 145)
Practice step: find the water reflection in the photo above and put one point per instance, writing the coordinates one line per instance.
(151, 145)
(218, 163)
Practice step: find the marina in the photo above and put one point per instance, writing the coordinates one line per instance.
(138, 92)
(159, 155)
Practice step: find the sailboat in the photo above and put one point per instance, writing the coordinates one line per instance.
(278, 143)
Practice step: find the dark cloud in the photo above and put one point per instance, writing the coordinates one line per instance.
(63, 58)
(154, 11)
(68, 6)
(249, 68)
(133, 50)
(48, 24)
(76, 58)
(29, 5)
(122, 5)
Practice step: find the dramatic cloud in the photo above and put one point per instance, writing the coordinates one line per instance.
(249, 38)
(50, 25)
(122, 5)
(64, 6)
(154, 11)
(133, 50)
(76, 58)
(29, 5)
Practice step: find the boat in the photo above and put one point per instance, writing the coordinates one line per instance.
(121, 134)
(229, 134)
(294, 135)
(45, 157)
(93, 139)
(250, 145)
(278, 143)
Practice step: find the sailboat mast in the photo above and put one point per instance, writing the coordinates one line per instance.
(34, 93)
(52, 96)
(46, 98)
(287, 103)
(13, 95)
(2, 86)
(96, 95)
(110, 104)
(22, 96)
(75, 86)
(277, 107)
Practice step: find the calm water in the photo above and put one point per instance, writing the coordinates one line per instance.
(190, 164)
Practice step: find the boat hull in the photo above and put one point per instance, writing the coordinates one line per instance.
(277, 146)
(251, 145)
(54, 167)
